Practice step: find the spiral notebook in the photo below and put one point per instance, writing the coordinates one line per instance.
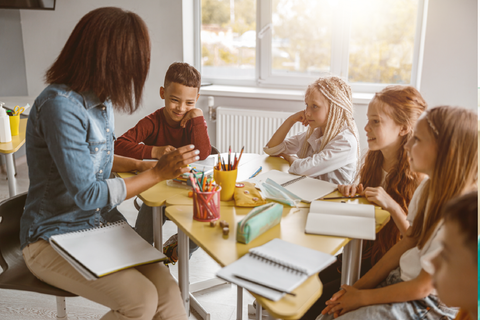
(305, 188)
(275, 268)
(100, 251)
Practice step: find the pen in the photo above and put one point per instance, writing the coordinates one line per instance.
(256, 173)
(264, 285)
(336, 198)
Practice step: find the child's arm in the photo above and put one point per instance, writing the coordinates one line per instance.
(339, 152)
(415, 289)
(198, 132)
(381, 198)
(279, 136)
(129, 144)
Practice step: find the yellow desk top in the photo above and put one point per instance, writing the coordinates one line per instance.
(245, 170)
(161, 194)
(225, 250)
(17, 141)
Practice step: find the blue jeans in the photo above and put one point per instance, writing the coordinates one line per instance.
(429, 308)
(144, 226)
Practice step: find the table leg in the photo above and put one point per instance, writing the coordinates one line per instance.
(351, 261)
(239, 303)
(183, 276)
(157, 227)
(258, 311)
(12, 187)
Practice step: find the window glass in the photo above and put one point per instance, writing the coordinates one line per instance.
(382, 41)
(228, 39)
(301, 36)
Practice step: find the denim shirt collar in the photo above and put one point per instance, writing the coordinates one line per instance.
(91, 100)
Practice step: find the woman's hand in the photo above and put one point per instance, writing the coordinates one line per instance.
(333, 301)
(380, 197)
(350, 300)
(289, 157)
(195, 112)
(349, 190)
(299, 117)
(175, 163)
(158, 152)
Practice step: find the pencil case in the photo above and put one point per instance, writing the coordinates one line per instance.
(248, 196)
(259, 220)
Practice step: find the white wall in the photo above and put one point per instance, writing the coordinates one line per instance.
(45, 33)
(449, 74)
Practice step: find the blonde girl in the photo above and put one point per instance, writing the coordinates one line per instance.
(399, 286)
(329, 149)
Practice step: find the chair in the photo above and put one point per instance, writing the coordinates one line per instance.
(15, 274)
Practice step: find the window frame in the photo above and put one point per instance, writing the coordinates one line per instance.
(339, 55)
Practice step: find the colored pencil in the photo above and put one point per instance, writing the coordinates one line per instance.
(240, 156)
(229, 152)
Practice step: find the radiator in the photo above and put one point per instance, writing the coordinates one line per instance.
(251, 129)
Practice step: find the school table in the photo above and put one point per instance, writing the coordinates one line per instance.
(8, 149)
(225, 250)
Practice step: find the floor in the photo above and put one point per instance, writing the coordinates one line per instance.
(219, 301)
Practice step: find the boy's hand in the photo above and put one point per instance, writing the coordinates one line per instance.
(145, 165)
(176, 162)
(195, 112)
(299, 117)
(158, 152)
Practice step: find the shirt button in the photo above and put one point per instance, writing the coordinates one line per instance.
(108, 152)
(96, 149)
(98, 209)
(103, 108)
(101, 171)
(108, 130)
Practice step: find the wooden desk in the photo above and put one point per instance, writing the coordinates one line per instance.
(225, 250)
(8, 149)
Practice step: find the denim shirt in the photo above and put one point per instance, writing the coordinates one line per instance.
(69, 145)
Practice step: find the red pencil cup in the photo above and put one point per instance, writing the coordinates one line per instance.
(206, 205)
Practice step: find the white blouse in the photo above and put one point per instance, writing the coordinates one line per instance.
(414, 260)
(336, 163)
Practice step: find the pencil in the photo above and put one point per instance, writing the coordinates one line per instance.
(229, 152)
(264, 285)
(238, 161)
(337, 198)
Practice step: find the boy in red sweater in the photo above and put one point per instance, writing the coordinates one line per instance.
(177, 124)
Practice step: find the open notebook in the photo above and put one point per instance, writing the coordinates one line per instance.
(100, 251)
(275, 268)
(303, 187)
(348, 220)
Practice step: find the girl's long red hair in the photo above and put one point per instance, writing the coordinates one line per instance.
(404, 104)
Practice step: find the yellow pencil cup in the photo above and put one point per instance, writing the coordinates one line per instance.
(14, 124)
(227, 180)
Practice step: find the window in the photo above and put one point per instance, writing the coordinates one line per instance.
(286, 43)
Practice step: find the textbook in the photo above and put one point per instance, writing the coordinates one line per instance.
(100, 251)
(305, 188)
(356, 221)
(275, 268)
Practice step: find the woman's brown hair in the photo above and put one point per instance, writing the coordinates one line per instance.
(456, 168)
(404, 105)
(108, 53)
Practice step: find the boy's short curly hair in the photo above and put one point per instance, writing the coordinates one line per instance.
(183, 73)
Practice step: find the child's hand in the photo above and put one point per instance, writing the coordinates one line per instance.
(158, 152)
(349, 190)
(300, 117)
(289, 157)
(351, 299)
(380, 197)
(195, 112)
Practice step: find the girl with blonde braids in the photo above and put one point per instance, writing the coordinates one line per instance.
(329, 149)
